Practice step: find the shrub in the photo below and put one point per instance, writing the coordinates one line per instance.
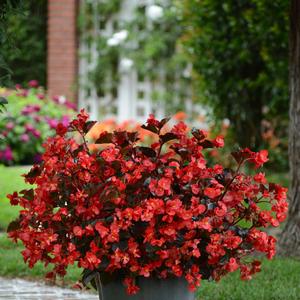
(131, 210)
(238, 50)
(29, 119)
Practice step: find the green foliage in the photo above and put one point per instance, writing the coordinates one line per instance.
(240, 55)
(108, 8)
(152, 45)
(22, 41)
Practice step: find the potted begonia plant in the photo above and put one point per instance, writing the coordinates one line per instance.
(153, 221)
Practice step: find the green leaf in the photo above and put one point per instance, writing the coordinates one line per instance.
(3, 102)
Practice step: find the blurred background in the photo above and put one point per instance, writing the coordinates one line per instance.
(221, 66)
(218, 65)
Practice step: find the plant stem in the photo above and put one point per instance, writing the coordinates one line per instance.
(231, 181)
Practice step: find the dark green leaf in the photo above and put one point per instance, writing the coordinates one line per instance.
(3, 101)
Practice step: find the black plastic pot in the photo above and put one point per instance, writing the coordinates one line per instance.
(150, 289)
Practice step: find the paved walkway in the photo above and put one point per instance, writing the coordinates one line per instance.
(18, 289)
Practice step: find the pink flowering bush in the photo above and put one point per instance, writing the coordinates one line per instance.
(29, 119)
(130, 210)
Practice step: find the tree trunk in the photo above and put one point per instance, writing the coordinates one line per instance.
(289, 242)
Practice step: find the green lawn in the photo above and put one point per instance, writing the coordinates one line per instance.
(10, 180)
(279, 278)
(281, 178)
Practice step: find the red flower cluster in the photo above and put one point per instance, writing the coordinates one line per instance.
(130, 210)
